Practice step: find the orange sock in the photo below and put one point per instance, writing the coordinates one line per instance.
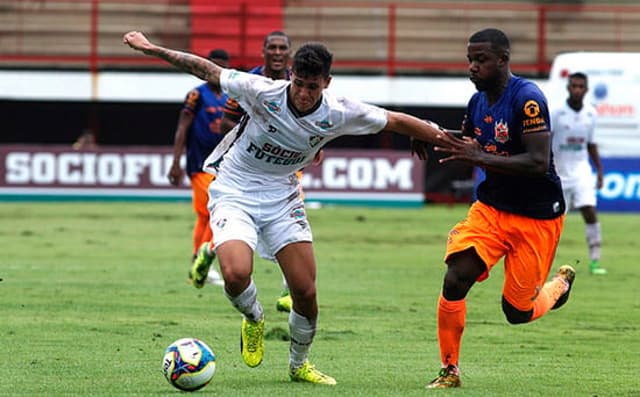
(451, 320)
(201, 232)
(548, 297)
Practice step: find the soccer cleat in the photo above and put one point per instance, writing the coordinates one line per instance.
(567, 274)
(308, 373)
(252, 342)
(200, 268)
(284, 303)
(448, 377)
(595, 269)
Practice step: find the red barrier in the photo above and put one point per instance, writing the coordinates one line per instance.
(86, 34)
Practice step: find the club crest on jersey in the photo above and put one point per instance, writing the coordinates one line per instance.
(501, 130)
(272, 106)
(324, 124)
(315, 140)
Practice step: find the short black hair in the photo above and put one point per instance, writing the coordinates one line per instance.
(219, 53)
(312, 59)
(496, 37)
(277, 33)
(578, 75)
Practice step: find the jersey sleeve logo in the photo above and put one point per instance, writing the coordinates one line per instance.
(192, 99)
(533, 122)
(314, 140)
(531, 108)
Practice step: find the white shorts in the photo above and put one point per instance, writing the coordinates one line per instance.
(267, 218)
(580, 193)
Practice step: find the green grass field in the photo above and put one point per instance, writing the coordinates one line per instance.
(91, 294)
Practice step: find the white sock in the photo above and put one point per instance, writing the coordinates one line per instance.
(302, 332)
(247, 303)
(594, 240)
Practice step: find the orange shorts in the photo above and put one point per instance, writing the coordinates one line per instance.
(200, 186)
(528, 246)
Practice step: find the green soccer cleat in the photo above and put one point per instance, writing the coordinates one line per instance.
(200, 268)
(252, 342)
(448, 377)
(568, 274)
(308, 373)
(595, 269)
(284, 303)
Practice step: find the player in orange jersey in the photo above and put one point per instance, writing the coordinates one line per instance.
(520, 209)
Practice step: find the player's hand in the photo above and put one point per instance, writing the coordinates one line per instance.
(466, 149)
(419, 148)
(175, 175)
(137, 41)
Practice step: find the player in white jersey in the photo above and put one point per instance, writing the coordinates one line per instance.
(573, 126)
(256, 191)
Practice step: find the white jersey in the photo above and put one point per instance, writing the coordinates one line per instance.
(274, 144)
(571, 132)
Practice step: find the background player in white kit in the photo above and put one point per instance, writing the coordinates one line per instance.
(257, 193)
(572, 127)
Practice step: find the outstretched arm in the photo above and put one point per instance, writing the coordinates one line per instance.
(534, 161)
(197, 66)
(419, 130)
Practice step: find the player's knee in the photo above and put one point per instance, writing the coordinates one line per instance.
(303, 294)
(454, 288)
(513, 315)
(463, 269)
(456, 284)
(235, 276)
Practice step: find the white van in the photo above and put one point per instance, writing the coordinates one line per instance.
(614, 89)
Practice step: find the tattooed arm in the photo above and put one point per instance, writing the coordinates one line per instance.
(197, 66)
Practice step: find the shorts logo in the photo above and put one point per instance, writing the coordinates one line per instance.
(220, 223)
(298, 213)
(300, 217)
(531, 108)
(501, 130)
(536, 293)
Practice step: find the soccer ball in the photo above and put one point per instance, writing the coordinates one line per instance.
(188, 364)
